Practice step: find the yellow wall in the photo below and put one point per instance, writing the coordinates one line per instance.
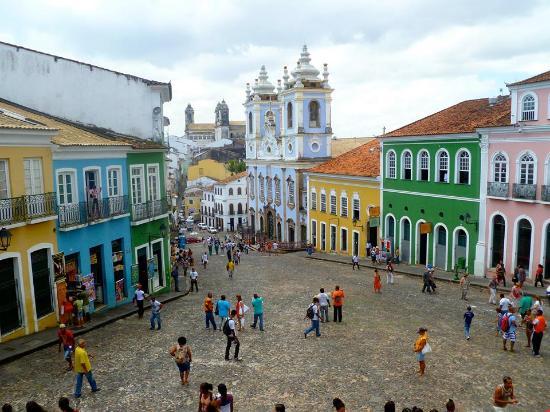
(26, 236)
(209, 168)
(196, 204)
(369, 195)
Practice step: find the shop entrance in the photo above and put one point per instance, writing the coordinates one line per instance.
(96, 267)
(142, 268)
(10, 316)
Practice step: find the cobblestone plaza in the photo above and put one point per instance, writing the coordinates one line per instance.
(366, 360)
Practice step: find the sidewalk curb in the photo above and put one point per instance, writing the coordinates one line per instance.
(81, 332)
(475, 281)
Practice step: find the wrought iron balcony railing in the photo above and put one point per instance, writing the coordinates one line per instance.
(25, 208)
(149, 209)
(74, 214)
(545, 193)
(498, 189)
(524, 191)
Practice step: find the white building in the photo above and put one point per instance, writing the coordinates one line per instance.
(229, 203)
(84, 93)
(221, 132)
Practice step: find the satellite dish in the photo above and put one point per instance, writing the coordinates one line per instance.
(156, 110)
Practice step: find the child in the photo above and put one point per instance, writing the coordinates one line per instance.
(79, 306)
(204, 259)
(377, 282)
(464, 285)
(355, 261)
(499, 320)
(468, 316)
(373, 256)
(389, 268)
(528, 319)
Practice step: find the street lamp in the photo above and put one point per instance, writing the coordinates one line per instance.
(5, 238)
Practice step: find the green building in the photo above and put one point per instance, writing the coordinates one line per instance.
(430, 193)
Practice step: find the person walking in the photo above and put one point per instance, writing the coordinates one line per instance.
(501, 273)
(82, 367)
(504, 304)
(204, 260)
(539, 325)
(241, 309)
(528, 321)
(377, 282)
(258, 305)
(156, 306)
(222, 307)
(176, 277)
(209, 311)
(224, 400)
(539, 276)
(389, 272)
(64, 405)
(509, 325)
(337, 303)
(355, 262)
(464, 286)
(206, 397)
(209, 242)
(522, 275)
(369, 248)
(468, 316)
(183, 356)
(194, 276)
(324, 304)
(421, 347)
(139, 296)
(66, 338)
(312, 313)
(504, 395)
(426, 279)
(493, 284)
(230, 333)
(524, 305)
(216, 246)
(230, 267)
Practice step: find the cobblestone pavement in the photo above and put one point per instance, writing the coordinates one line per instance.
(366, 360)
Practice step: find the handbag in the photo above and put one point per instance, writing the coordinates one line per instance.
(426, 349)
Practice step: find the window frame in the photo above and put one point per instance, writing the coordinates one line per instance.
(120, 188)
(419, 162)
(141, 168)
(342, 230)
(277, 184)
(519, 165)
(74, 186)
(333, 203)
(535, 107)
(391, 172)
(499, 163)
(156, 174)
(250, 122)
(403, 165)
(291, 191)
(6, 171)
(314, 124)
(458, 166)
(323, 201)
(313, 199)
(32, 176)
(289, 115)
(357, 209)
(438, 157)
(344, 207)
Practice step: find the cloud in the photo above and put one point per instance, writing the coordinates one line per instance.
(390, 62)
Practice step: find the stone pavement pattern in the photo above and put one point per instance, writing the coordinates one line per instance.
(366, 360)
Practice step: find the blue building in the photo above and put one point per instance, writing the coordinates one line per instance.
(93, 227)
(287, 131)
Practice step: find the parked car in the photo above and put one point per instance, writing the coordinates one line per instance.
(190, 219)
(194, 239)
(202, 226)
(212, 229)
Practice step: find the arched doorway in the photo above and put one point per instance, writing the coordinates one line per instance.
(523, 244)
(547, 253)
(279, 231)
(405, 240)
(422, 245)
(497, 240)
(460, 249)
(390, 232)
(270, 225)
(440, 240)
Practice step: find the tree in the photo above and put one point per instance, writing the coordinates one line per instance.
(235, 166)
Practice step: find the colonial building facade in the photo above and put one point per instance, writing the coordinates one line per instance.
(287, 131)
(204, 134)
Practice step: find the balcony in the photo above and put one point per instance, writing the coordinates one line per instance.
(545, 193)
(149, 209)
(523, 191)
(26, 208)
(498, 189)
(76, 214)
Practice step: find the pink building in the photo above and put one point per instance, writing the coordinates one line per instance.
(516, 171)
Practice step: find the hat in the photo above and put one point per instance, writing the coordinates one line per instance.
(422, 329)
(62, 326)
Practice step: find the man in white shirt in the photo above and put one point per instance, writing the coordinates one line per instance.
(504, 304)
(355, 261)
(156, 306)
(324, 304)
(204, 259)
(194, 276)
(313, 315)
(139, 296)
(229, 331)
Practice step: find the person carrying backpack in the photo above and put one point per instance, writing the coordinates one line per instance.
(508, 326)
(228, 329)
(183, 357)
(312, 313)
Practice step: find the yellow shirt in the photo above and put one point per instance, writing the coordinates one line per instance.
(81, 357)
(420, 342)
(230, 265)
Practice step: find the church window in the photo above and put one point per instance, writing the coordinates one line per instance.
(277, 190)
(289, 115)
(269, 189)
(252, 184)
(314, 114)
(291, 194)
(250, 122)
(262, 187)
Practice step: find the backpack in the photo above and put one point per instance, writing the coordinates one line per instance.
(217, 311)
(181, 354)
(505, 323)
(226, 329)
(310, 313)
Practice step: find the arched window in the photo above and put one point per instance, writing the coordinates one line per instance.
(291, 193)
(262, 187)
(527, 169)
(500, 168)
(239, 191)
(231, 209)
(332, 202)
(230, 191)
(277, 190)
(269, 189)
(528, 107)
(313, 203)
(240, 209)
(390, 172)
(323, 201)
(314, 114)
(463, 167)
(252, 186)
(343, 204)
(289, 115)
(443, 167)
(423, 166)
(406, 162)
(250, 122)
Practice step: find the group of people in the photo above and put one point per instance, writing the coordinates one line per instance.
(317, 312)
(64, 405)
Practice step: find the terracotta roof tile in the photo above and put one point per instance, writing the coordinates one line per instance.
(543, 77)
(343, 145)
(232, 178)
(10, 120)
(361, 161)
(464, 117)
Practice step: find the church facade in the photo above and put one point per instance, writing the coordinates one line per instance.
(288, 130)
(204, 134)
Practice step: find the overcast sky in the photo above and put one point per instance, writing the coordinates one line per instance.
(391, 62)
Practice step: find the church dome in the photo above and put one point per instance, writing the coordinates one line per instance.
(263, 85)
(304, 69)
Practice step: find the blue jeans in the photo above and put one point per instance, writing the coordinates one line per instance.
(314, 326)
(91, 381)
(209, 318)
(466, 331)
(259, 316)
(153, 317)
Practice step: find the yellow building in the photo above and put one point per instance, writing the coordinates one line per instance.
(192, 202)
(344, 201)
(207, 168)
(28, 301)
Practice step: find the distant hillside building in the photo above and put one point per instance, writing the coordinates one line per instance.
(206, 133)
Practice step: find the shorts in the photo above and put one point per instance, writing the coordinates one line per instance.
(80, 315)
(511, 336)
(67, 352)
(420, 356)
(184, 367)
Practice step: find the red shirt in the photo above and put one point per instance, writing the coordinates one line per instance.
(540, 324)
(66, 337)
(338, 297)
